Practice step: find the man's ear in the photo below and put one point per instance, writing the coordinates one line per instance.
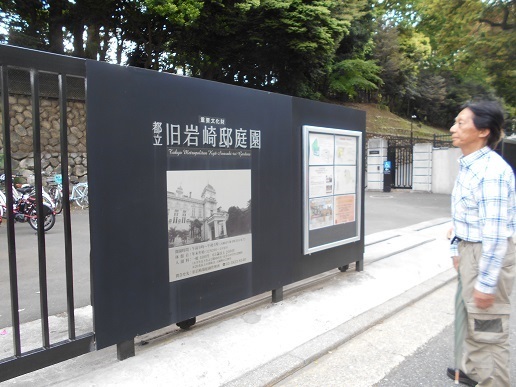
(484, 133)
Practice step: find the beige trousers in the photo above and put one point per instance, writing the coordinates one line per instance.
(486, 354)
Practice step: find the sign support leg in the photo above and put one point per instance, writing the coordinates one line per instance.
(277, 295)
(125, 350)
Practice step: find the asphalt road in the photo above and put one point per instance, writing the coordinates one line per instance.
(391, 210)
(26, 242)
(383, 211)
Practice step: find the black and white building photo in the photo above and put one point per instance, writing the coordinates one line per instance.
(209, 220)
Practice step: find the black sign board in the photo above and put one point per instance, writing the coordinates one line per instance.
(196, 196)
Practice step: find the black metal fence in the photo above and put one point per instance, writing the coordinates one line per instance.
(400, 153)
(442, 141)
(17, 66)
(401, 159)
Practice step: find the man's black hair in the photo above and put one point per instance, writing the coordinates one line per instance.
(488, 115)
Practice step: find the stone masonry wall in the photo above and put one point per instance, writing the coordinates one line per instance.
(20, 116)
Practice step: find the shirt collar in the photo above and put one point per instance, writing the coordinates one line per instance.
(466, 161)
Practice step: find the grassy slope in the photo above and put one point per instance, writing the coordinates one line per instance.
(380, 121)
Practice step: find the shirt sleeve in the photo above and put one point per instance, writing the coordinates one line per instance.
(493, 203)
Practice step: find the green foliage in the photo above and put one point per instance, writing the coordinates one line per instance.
(358, 42)
(475, 39)
(299, 39)
(422, 57)
(25, 22)
(282, 46)
(398, 72)
(176, 11)
(351, 76)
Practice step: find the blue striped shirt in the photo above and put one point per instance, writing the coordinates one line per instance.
(484, 210)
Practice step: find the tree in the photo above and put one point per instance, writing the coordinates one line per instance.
(282, 46)
(430, 99)
(406, 54)
(297, 41)
(358, 42)
(26, 23)
(475, 39)
(172, 234)
(352, 76)
(397, 71)
(212, 46)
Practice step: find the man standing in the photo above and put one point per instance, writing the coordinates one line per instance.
(484, 221)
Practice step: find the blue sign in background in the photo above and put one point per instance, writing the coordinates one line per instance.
(387, 165)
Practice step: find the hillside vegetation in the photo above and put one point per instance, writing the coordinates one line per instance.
(382, 122)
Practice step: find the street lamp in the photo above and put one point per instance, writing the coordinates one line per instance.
(411, 132)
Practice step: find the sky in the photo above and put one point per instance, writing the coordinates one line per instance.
(233, 187)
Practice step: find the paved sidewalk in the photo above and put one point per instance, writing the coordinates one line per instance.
(257, 343)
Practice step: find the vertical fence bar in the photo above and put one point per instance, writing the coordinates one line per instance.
(66, 206)
(42, 259)
(11, 241)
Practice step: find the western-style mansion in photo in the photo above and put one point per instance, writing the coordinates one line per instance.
(196, 219)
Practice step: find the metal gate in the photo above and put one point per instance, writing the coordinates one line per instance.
(399, 153)
(37, 71)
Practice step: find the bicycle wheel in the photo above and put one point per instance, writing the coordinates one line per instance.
(58, 200)
(82, 196)
(48, 221)
(3, 206)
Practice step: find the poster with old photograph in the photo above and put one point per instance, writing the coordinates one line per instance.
(321, 149)
(320, 181)
(345, 150)
(345, 179)
(209, 221)
(345, 209)
(321, 212)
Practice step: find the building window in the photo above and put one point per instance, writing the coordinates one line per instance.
(176, 214)
(184, 216)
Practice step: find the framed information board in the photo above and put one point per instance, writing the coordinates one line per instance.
(332, 171)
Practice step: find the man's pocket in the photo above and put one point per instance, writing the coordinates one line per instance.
(489, 325)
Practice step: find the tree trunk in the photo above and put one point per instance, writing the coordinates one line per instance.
(93, 42)
(77, 29)
(55, 26)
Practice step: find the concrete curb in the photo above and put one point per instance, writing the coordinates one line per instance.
(285, 365)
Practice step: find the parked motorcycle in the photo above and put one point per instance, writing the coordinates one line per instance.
(24, 207)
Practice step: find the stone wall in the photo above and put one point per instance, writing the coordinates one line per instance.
(20, 116)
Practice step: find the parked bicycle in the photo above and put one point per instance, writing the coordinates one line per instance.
(24, 206)
(78, 195)
(55, 190)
